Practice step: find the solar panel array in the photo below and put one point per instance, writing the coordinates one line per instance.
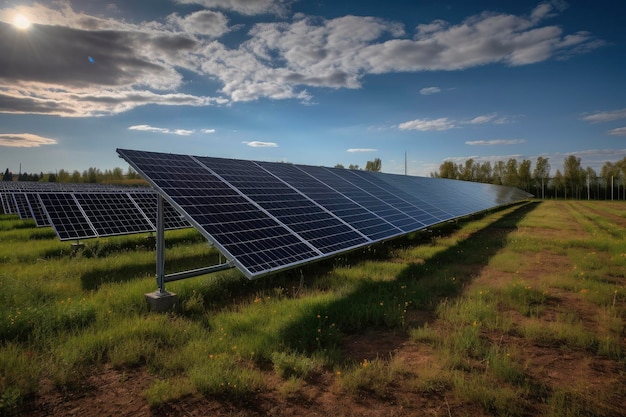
(266, 217)
(81, 211)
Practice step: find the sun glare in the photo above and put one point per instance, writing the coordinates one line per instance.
(21, 22)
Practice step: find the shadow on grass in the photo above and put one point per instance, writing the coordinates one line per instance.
(419, 286)
(93, 279)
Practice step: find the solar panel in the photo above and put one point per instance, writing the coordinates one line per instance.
(113, 213)
(23, 210)
(267, 216)
(36, 209)
(66, 217)
(9, 204)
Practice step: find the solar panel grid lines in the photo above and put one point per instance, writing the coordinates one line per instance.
(147, 202)
(38, 212)
(361, 197)
(66, 217)
(23, 210)
(389, 195)
(305, 218)
(11, 208)
(235, 173)
(369, 224)
(113, 214)
(422, 211)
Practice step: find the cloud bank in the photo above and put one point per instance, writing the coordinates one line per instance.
(24, 140)
(73, 64)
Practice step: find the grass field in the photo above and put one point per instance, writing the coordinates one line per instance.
(515, 312)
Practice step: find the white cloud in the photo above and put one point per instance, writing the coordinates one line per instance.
(426, 91)
(24, 140)
(620, 131)
(428, 124)
(207, 130)
(352, 150)
(483, 119)
(605, 116)
(148, 128)
(245, 7)
(258, 144)
(495, 142)
(203, 22)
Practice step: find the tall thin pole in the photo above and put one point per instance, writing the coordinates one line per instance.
(405, 164)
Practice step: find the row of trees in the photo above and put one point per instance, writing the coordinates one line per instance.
(91, 175)
(570, 181)
(376, 165)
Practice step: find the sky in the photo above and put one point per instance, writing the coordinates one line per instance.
(317, 82)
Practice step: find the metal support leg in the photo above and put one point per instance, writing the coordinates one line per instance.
(160, 246)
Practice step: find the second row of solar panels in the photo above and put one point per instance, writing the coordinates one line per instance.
(75, 216)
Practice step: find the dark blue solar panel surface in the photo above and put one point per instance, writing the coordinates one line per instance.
(269, 216)
(66, 217)
(246, 234)
(22, 206)
(291, 208)
(37, 210)
(113, 213)
(368, 223)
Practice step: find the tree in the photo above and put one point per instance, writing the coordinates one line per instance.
(8, 175)
(558, 182)
(375, 166)
(541, 174)
(511, 176)
(573, 175)
(485, 173)
(591, 178)
(339, 166)
(499, 172)
(524, 175)
(469, 171)
(449, 170)
(352, 166)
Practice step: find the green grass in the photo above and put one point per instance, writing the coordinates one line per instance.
(66, 314)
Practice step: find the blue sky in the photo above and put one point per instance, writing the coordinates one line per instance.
(315, 82)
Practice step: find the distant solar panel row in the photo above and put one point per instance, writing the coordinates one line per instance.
(81, 215)
(267, 216)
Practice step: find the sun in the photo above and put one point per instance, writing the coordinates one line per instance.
(21, 22)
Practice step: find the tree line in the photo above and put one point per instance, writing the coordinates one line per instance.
(91, 175)
(569, 181)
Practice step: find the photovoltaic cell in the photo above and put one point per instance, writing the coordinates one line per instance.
(267, 216)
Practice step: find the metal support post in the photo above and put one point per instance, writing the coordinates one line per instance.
(160, 246)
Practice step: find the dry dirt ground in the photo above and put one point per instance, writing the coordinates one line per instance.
(119, 392)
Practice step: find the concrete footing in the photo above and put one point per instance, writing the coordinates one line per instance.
(161, 301)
